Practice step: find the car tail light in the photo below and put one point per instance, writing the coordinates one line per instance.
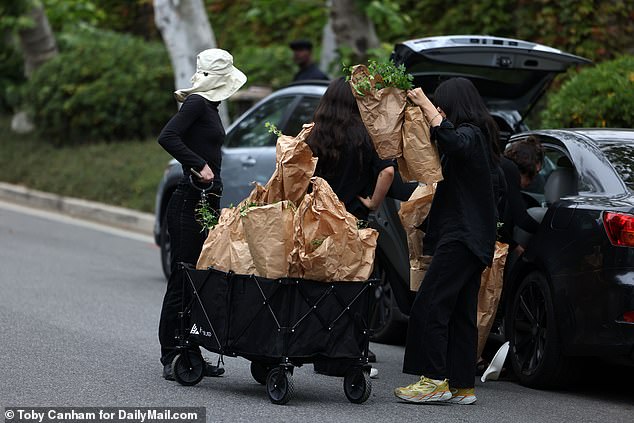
(628, 316)
(620, 228)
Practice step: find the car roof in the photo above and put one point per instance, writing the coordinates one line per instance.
(602, 135)
(598, 135)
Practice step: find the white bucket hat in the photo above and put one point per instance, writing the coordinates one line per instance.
(216, 78)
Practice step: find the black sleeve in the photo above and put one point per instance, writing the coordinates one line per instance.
(515, 207)
(171, 137)
(454, 142)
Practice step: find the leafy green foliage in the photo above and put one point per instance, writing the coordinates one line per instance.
(382, 75)
(595, 97)
(11, 75)
(68, 13)
(257, 33)
(205, 215)
(267, 66)
(273, 129)
(125, 94)
(599, 30)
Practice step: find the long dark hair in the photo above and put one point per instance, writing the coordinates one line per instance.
(338, 128)
(462, 103)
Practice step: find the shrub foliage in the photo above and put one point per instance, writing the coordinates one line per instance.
(600, 96)
(103, 86)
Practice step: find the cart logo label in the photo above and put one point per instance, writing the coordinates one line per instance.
(194, 330)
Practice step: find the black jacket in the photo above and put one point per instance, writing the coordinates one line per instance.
(464, 207)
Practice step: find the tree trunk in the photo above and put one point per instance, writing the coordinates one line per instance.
(38, 45)
(37, 42)
(353, 28)
(186, 31)
(328, 47)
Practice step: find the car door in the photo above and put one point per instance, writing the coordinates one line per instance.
(249, 151)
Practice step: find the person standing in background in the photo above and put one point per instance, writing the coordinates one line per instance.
(302, 56)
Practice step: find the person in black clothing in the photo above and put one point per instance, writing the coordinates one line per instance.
(302, 56)
(521, 162)
(347, 161)
(193, 136)
(461, 233)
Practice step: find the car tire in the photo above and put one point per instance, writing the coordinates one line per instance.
(166, 247)
(535, 351)
(386, 320)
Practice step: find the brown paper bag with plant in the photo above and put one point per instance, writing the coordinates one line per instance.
(420, 161)
(294, 167)
(269, 231)
(225, 247)
(380, 91)
(490, 292)
(329, 246)
(412, 214)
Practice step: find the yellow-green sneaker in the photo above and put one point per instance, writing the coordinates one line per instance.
(425, 390)
(462, 396)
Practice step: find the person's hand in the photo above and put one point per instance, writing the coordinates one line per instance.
(432, 114)
(207, 174)
(367, 201)
(418, 97)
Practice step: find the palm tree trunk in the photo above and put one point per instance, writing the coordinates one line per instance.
(353, 28)
(37, 42)
(186, 31)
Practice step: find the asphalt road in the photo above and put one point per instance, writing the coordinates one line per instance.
(79, 307)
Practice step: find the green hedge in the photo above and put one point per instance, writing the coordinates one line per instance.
(11, 75)
(601, 96)
(103, 86)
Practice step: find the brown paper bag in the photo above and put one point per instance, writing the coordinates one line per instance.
(269, 234)
(412, 213)
(382, 112)
(328, 244)
(294, 168)
(420, 160)
(489, 295)
(225, 247)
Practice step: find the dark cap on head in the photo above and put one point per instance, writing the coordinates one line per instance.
(301, 45)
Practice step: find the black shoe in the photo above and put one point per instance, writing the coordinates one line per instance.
(168, 374)
(371, 357)
(213, 371)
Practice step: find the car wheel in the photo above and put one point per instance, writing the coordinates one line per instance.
(386, 320)
(535, 352)
(166, 248)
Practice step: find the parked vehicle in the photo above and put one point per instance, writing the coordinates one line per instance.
(511, 75)
(572, 291)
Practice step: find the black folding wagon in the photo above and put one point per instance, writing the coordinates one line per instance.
(277, 324)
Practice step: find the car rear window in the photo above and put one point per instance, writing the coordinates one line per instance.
(621, 155)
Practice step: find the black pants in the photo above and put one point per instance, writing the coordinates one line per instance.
(442, 336)
(187, 238)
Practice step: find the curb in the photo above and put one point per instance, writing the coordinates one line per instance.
(89, 210)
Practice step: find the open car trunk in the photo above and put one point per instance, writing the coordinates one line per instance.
(511, 75)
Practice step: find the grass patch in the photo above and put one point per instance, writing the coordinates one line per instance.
(123, 174)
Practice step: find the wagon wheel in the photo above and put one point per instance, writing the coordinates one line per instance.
(188, 368)
(259, 372)
(279, 385)
(357, 385)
